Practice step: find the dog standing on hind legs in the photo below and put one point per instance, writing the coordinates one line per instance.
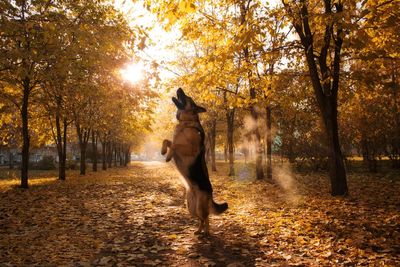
(188, 151)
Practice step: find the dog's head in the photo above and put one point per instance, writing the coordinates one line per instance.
(187, 108)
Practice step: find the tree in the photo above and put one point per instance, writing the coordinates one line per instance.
(374, 69)
(23, 50)
(62, 51)
(322, 47)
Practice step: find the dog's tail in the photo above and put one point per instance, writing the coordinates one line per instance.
(218, 208)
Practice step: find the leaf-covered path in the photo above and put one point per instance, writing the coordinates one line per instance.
(136, 217)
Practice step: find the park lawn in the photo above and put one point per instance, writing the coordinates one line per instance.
(135, 216)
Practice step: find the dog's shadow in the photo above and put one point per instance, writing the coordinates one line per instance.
(230, 245)
(227, 243)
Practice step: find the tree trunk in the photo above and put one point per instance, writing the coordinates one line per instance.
(269, 142)
(225, 152)
(230, 118)
(337, 171)
(104, 155)
(290, 155)
(61, 140)
(25, 134)
(94, 148)
(369, 156)
(115, 155)
(259, 161)
(208, 149)
(109, 154)
(120, 154)
(258, 144)
(127, 156)
(64, 154)
(83, 138)
(83, 160)
(213, 133)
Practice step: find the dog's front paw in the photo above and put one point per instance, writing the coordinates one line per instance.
(165, 144)
(168, 158)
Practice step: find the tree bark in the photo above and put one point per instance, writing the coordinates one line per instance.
(225, 152)
(83, 160)
(213, 133)
(83, 137)
(230, 118)
(258, 144)
(109, 154)
(120, 155)
(337, 169)
(269, 142)
(208, 149)
(94, 148)
(368, 156)
(64, 155)
(25, 133)
(61, 141)
(115, 155)
(104, 154)
(268, 120)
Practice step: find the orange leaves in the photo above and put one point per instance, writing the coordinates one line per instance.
(135, 216)
(171, 12)
(186, 6)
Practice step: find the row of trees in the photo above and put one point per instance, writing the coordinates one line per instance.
(59, 71)
(304, 71)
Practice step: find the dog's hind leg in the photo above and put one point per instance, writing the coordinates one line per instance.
(207, 226)
(201, 226)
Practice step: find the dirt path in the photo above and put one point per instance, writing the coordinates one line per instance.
(137, 217)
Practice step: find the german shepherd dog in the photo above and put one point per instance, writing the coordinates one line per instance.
(188, 151)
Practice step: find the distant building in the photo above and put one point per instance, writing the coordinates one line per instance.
(8, 155)
(36, 154)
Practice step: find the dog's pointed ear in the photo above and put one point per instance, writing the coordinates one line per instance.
(200, 109)
(177, 103)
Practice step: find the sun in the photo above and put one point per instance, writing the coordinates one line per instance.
(133, 72)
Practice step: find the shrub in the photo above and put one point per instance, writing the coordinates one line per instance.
(71, 164)
(46, 163)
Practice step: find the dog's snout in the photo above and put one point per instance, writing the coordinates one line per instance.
(181, 94)
(180, 91)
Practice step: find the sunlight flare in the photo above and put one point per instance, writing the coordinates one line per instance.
(133, 72)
